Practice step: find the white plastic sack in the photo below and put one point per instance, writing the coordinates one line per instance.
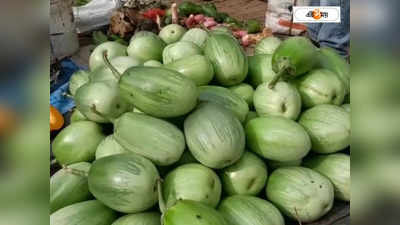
(278, 16)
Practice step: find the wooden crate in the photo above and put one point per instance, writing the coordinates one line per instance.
(240, 9)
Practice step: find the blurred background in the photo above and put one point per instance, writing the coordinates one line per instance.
(24, 112)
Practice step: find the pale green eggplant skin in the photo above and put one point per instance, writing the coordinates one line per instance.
(192, 182)
(281, 100)
(90, 212)
(277, 138)
(126, 182)
(328, 127)
(109, 146)
(336, 167)
(146, 46)
(142, 33)
(77, 116)
(159, 92)
(180, 50)
(276, 164)
(105, 97)
(197, 67)
(172, 33)
(158, 140)
(320, 86)
(246, 177)
(120, 63)
(145, 218)
(228, 58)
(245, 91)
(214, 136)
(300, 193)
(267, 45)
(67, 188)
(347, 107)
(191, 212)
(296, 56)
(196, 35)
(113, 49)
(260, 69)
(78, 79)
(152, 63)
(331, 60)
(251, 115)
(77, 142)
(250, 210)
(226, 98)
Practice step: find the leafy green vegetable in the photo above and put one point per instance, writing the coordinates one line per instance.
(187, 8)
(253, 26)
(209, 9)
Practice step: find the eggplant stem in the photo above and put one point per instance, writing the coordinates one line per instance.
(283, 66)
(75, 171)
(111, 67)
(161, 201)
(297, 216)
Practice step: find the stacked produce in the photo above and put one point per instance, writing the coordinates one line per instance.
(203, 134)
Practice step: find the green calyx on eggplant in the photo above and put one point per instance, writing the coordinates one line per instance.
(67, 188)
(192, 182)
(281, 100)
(246, 177)
(277, 138)
(300, 193)
(328, 127)
(214, 136)
(320, 86)
(250, 210)
(260, 69)
(77, 142)
(156, 139)
(125, 182)
(295, 56)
